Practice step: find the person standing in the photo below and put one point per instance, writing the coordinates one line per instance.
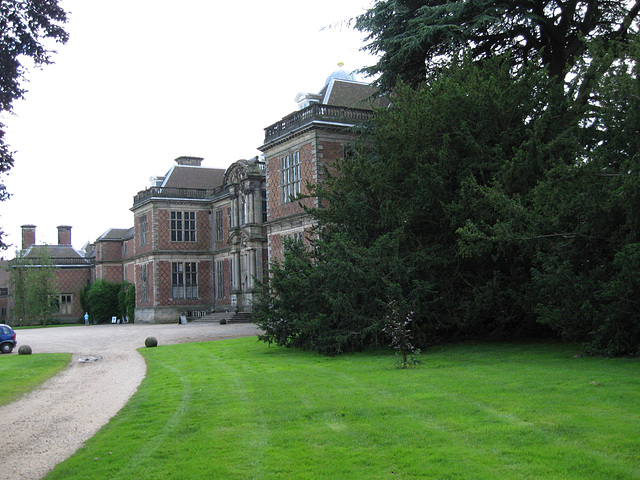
(86, 318)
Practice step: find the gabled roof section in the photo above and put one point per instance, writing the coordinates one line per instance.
(114, 234)
(185, 176)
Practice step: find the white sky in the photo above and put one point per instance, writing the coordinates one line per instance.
(141, 82)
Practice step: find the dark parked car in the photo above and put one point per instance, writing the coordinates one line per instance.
(7, 339)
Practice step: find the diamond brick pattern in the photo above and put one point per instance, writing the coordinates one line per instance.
(110, 273)
(109, 251)
(72, 281)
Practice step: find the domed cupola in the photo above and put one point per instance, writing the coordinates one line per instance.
(340, 74)
(306, 99)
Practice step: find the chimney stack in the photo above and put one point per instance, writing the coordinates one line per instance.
(189, 161)
(28, 236)
(64, 235)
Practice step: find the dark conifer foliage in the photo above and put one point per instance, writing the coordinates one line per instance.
(416, 36)
(499, 195)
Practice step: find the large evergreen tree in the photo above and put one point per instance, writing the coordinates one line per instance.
(497, 196)
(389, 231)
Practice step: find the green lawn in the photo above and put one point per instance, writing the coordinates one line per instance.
(239, 409)
(22, 373)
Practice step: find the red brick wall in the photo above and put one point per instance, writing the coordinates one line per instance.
(164, 284)
(110, 273)
(205, 281)
(28, 236)
(277, 209)
(72, 281)
(127, 250)
(314, 156)
(64, 235)
(129, 273)
(330, 151)
(318, 150)
(224, 302)
(109, 251)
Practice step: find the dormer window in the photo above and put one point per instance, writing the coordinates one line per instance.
(305, 99)
(156, 181)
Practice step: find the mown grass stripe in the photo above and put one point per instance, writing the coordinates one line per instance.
(470, 411)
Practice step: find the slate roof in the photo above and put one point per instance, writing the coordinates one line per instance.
(114, 234)
(185, 176)
(59, 254)
(346, 93)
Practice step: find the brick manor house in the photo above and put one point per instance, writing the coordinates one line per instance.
(201, 235)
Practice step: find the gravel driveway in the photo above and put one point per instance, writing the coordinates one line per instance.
(48, 425)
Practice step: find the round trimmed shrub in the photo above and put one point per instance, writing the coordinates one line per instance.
(24, 350)
(223, 321)
(151, 342)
